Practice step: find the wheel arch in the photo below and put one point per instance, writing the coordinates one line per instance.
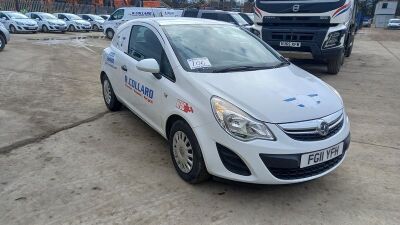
(170, 121)
(4, 36)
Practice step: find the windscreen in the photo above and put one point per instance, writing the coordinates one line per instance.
(73, 17)
(47, 16)
(241, 49)
(16, 15)
(96, 17)
(304, 6)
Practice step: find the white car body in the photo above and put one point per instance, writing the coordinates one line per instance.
(74, 22)
(45, 22)
(17, 22)
(286, 98)
(96, 21)
(394, 24)
(124, 14)
(4, 36)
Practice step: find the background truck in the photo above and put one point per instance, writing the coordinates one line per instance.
(308, 29)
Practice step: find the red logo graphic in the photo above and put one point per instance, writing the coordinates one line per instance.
(184, 106)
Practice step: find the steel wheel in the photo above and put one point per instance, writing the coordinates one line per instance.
(183, 152)
(107, 91)
(12, 29)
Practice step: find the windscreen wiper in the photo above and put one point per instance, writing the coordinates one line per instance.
(240, 68)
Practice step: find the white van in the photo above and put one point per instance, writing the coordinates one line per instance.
(122, 15)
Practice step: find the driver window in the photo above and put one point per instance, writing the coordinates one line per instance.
(144, 44)
(117, 15)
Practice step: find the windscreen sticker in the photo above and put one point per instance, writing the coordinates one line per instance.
(196, 63)
(140, 89)
(184, 106)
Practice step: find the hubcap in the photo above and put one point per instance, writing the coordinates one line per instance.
(107, 91)
(183, 152)
(110, 34)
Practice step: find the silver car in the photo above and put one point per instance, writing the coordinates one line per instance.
(4, 36)
(95, 21)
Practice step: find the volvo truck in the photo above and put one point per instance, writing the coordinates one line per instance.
(322, 30)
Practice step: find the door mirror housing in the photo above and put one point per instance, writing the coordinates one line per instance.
(149, 65)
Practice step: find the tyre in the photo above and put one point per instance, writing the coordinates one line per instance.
(109, 33)
(45, 29)
(109, 97)
(2, 42)
(186, 153)
(13, 29)
(334, 64)
(71, 28)
(95, 28)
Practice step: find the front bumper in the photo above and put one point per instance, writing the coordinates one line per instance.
(253, 155)
(57, 28)
(24, 28)
(83, 28)
(311, 39)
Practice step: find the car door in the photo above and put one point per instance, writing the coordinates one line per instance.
(145, 93)
(5, 20)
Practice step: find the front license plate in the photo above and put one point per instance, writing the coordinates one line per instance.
(290, 44)
(321, 156)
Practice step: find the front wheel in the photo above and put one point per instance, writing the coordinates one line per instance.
(186, 153)
(109, 33)
(13, 29)
(110, 99)
(334, 64)
(71, 28)
(95, 28)
(45, 29)
(2, 42)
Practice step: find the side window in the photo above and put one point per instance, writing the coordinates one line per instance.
(212, 16)
(144, 44)
(384, 5)
(34, 16)
(226, 17)
(117, 15)
(2, 15)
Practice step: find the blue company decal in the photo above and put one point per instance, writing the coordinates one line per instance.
(110, 59)
(304, 100)
(139, 89)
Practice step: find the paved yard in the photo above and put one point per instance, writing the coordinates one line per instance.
(64, 159)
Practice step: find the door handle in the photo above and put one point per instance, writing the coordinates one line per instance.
(124, 68)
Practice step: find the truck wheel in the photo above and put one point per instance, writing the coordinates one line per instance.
(110, 99)
(186, 153)
(334, 64)
(2, 42)
(109, 33)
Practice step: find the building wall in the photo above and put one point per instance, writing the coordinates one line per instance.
(381, 21)
(390, 10)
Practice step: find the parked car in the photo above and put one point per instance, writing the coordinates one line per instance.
(105, 17)
(95, 21)
(367, 22)
(122, 15)
(230, 107)
(74, 22)
(4, 36)
(249, 17)
(17, 22)
(394, 24)
(48, 22)
(230, 17)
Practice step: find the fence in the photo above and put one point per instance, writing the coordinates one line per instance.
(54, 7)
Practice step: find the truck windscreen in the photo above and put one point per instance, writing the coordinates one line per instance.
(298, 6)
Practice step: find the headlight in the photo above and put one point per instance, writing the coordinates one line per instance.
(333, 39)
(52, 24)
(238, 123)
(19, 23)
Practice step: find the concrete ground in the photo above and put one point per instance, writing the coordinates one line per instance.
(64, 159)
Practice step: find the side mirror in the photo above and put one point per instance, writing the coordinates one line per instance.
(37, 19)
(4, 18)
(65, 19)
(149, 65)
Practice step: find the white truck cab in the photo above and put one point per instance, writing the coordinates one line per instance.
(74, 22)
(125, 14)
(48, 22)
